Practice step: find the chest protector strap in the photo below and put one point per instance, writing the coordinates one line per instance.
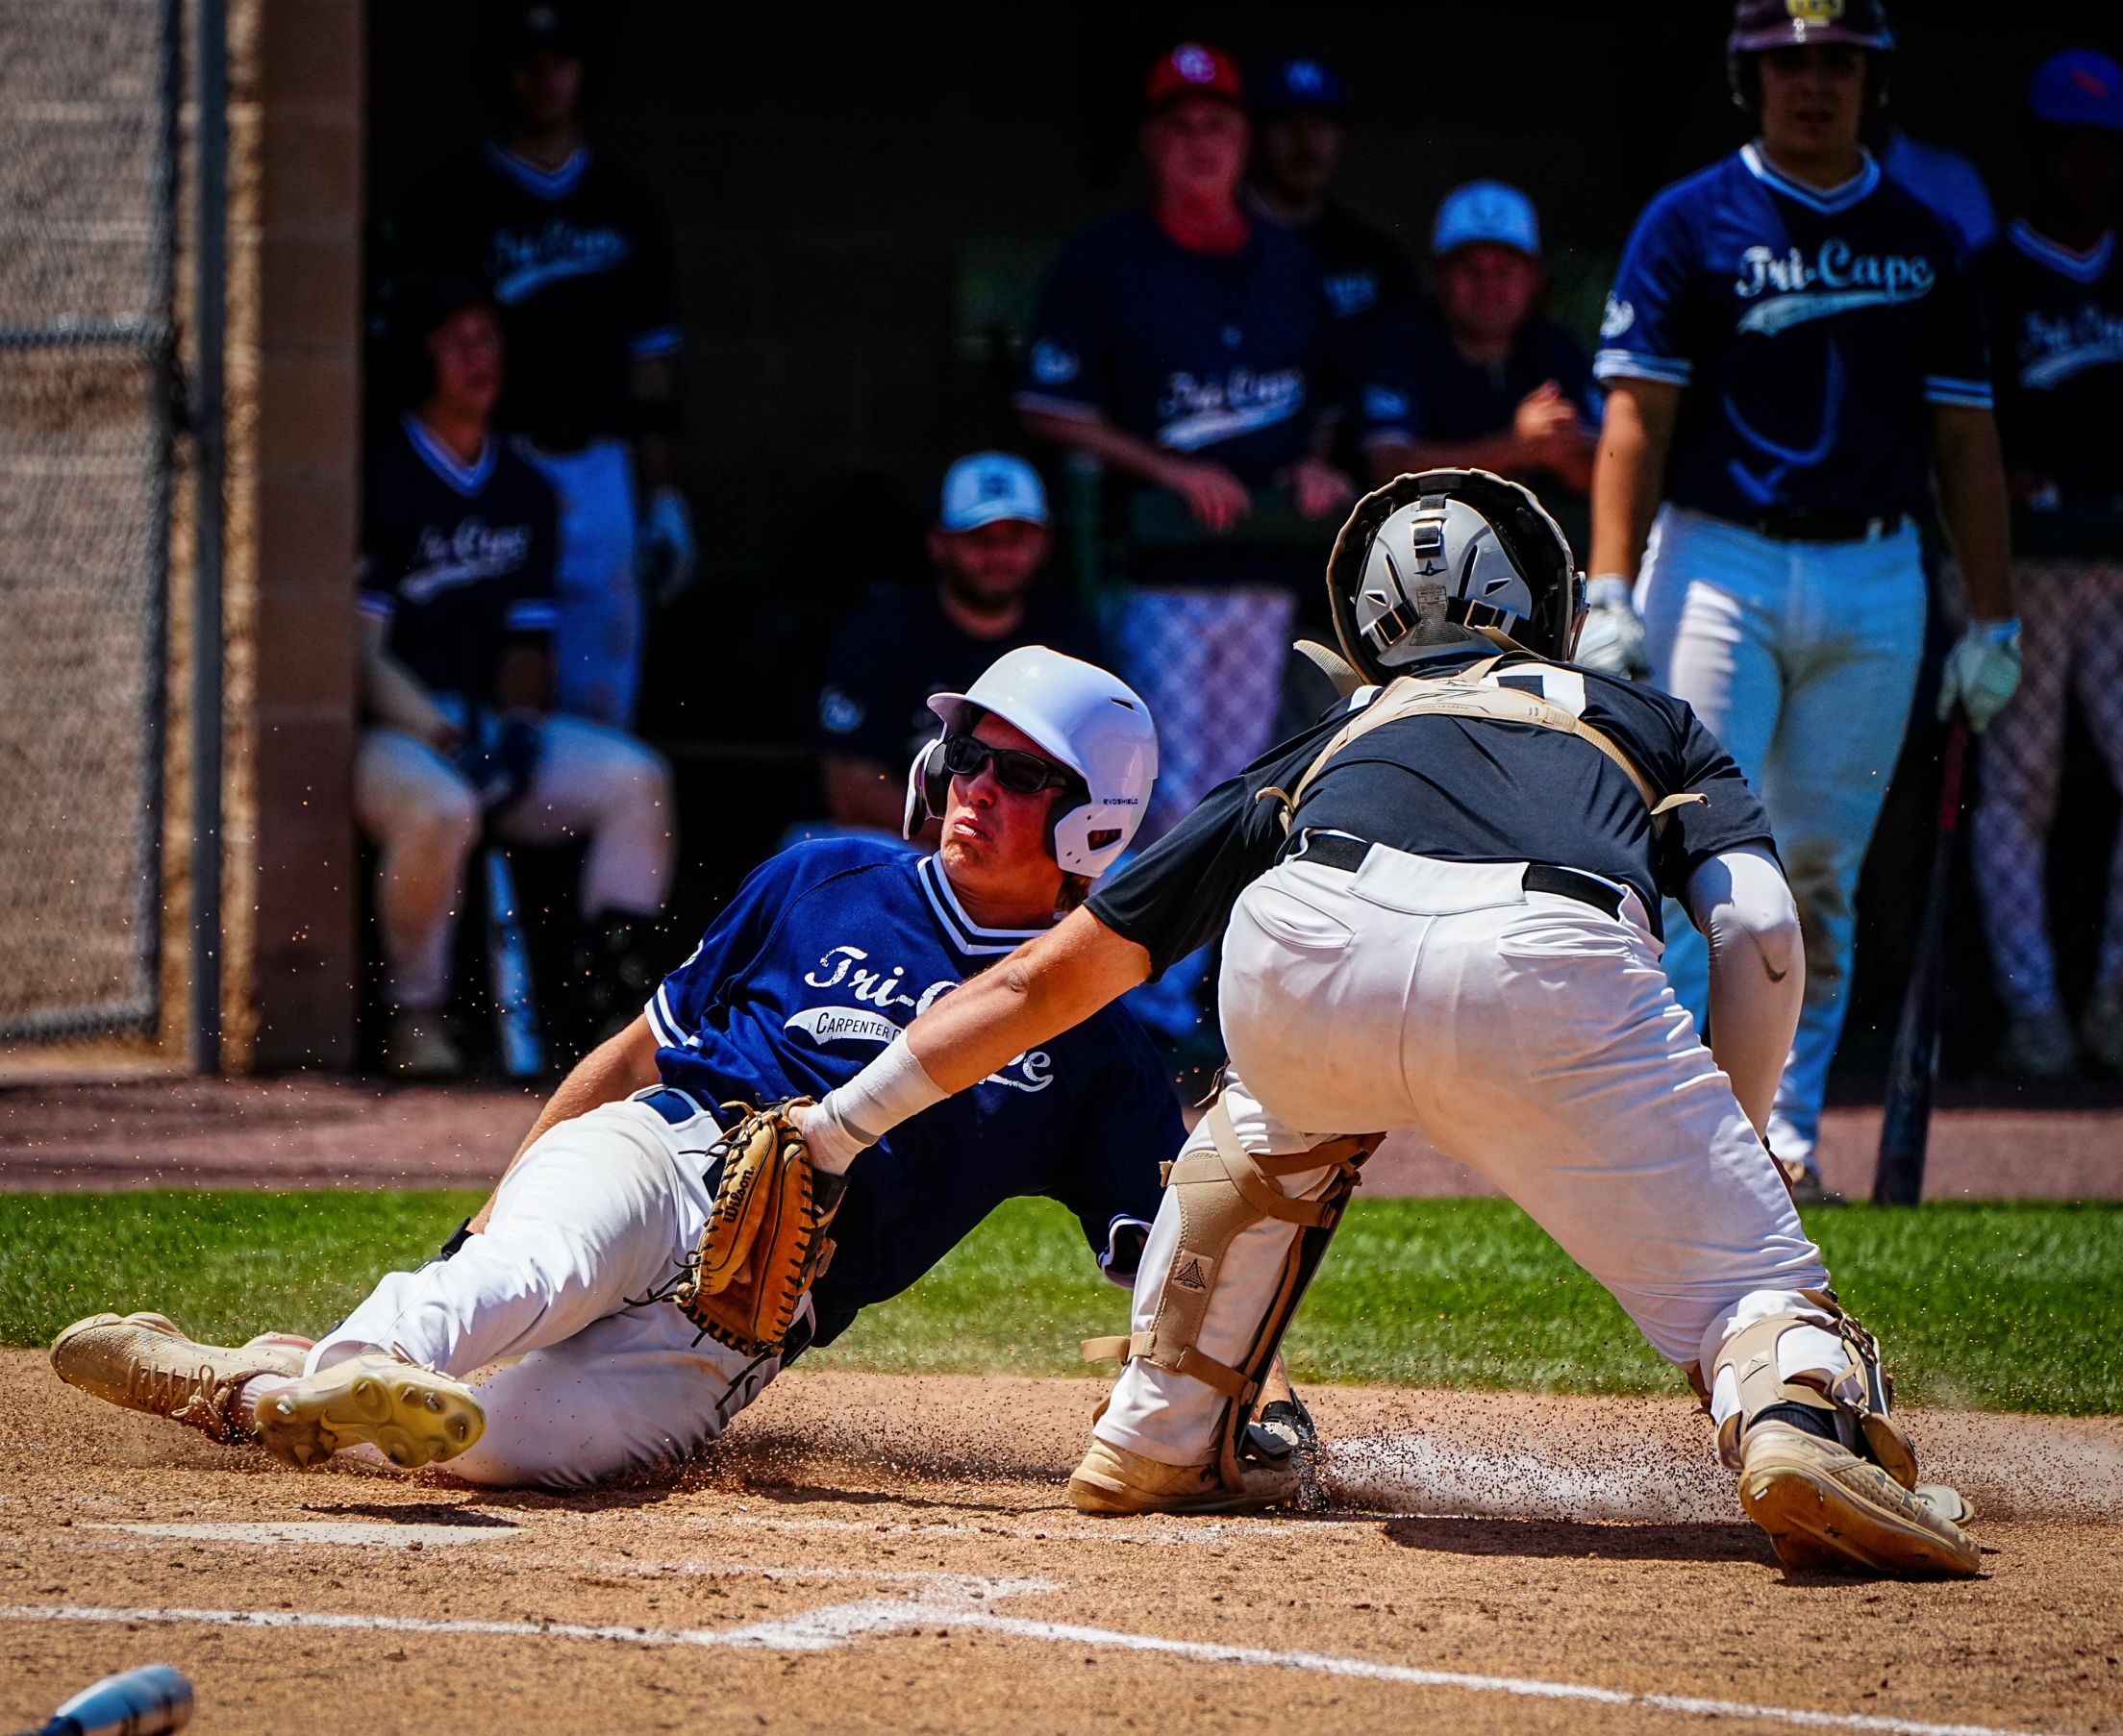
(1461, 694)
(1222, 1192)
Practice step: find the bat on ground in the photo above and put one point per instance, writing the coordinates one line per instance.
(1906, 1128)
(509, 965)
(136, 1703)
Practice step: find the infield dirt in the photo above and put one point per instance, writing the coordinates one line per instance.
(876, 1553)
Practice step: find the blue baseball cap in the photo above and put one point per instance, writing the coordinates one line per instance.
(1298, 81)
(1486, 210)
(2079, 87)
(988, 487)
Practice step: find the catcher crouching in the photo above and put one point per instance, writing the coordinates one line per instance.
(660, 1250)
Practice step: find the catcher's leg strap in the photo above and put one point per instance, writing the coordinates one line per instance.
(1222, 1192)
(1821, 1360)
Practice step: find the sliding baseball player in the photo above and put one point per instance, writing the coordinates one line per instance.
(565, 1291)
(1440, 908)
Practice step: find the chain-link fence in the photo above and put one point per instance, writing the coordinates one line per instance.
(89, 92)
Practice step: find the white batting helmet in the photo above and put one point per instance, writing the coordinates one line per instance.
(1081, 717)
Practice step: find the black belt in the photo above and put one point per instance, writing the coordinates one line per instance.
(1337, 849)
(1823, 524)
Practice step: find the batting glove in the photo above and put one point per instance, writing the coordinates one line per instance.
(1982, 671)
(1612, 640)
(666, 557)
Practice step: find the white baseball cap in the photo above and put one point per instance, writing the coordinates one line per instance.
(988, 486)
(1486, 210)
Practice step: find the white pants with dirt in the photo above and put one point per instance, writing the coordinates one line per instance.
(422, 816)
(578, 1387)
(2071, 642)
(1531, 1037)
(1801, 657)
(597, 649)
(1209, 665)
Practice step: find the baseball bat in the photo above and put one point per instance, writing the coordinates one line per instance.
(1906, 1126)
(508, 964)
(136, 1703)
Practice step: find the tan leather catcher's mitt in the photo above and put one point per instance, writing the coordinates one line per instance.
(765, 1240)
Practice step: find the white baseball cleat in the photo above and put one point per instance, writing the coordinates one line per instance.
(409, 1414)
(145, 1363)
(1824, 1506)
(1112, 1479)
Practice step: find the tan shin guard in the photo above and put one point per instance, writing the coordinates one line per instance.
(1224, 1192)
(1860, 1391)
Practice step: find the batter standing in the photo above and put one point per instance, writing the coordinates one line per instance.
(579, 261)
(822, 957)
(1441, 909)
(1793, 357)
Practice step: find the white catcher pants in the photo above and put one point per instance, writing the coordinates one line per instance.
(1531, 1037)
(578, 1387)
(1801, 658)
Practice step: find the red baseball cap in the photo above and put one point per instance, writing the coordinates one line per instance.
(1193, 69)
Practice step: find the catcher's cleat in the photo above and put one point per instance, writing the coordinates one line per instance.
(1285, 1429)
(1112, 1479)
(145, 1363)
(409, 1414)
(1824, 1506)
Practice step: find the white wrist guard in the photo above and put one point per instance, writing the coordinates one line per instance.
(891, 1089)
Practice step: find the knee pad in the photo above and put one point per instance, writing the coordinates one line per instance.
(1222, 1193)
(1841, 1383)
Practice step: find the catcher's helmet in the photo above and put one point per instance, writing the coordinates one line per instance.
(1445, 549)
(1760, 25)
(1084, 719)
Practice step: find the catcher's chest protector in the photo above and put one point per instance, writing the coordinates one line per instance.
(1463, 694)
(1222, 1193)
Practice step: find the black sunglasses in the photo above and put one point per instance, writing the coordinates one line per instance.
(1020, 773)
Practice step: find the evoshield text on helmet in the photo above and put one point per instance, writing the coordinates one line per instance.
(1444, 550)
(1087, 720)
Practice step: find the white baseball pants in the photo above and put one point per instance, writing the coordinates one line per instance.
(597, 649)
(1801, 658)
(2071, 641)
(1531, 1037)
(577, 1385)
(1209, 665)
(415, 806)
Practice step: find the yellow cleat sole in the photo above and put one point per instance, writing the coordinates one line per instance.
(1822, 1506)
(411, 1415)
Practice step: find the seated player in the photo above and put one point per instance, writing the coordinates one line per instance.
(457, 679)
(1484, 379)
(1042, 773)
(988, 547)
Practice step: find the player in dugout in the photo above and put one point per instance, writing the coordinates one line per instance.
(1189, 346)
(1482, 379)
(988, 548)
(579, 261)
(459, 738)
(558, 1288)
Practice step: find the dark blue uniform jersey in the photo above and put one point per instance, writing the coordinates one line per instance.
(1226, 355)
(578, 262)
(1417, 386)
(455, 557)
(2057, 335)
(825, 955)
(1811, 331)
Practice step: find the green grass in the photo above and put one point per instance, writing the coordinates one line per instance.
(2014, 1307)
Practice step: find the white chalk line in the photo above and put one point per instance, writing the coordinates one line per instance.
(836, 1624)
(1187, 1534)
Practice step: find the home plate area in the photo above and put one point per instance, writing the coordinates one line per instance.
(887, 1554)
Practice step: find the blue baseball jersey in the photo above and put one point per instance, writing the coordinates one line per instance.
(1810, 330)
(824, 955)
(2056, 325)
(1224, 356)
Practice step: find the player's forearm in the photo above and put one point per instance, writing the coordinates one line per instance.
(617, 1068)
(1741, 904)
(1628, 473)
(1390, 458)
(1975, 506)
(1098, 438)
